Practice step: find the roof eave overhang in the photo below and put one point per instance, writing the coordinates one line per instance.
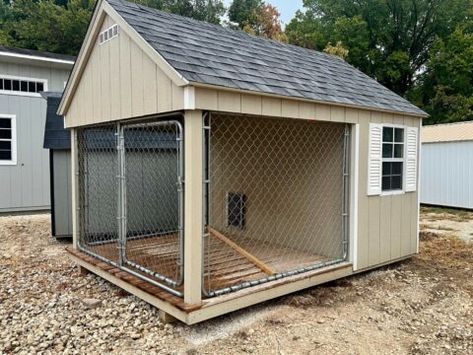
(102, 9)
(36, 59)
(320, 102)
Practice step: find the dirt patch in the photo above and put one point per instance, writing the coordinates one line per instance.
(449, 222)
(421, 306)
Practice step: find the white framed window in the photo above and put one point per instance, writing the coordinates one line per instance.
(18, 85)
(8, 140)
(392, 161)
(108, 34)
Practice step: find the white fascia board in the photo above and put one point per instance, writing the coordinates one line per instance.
(36, 58)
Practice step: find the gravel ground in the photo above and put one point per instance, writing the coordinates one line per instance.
(421, 306)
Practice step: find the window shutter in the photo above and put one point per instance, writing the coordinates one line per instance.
(375, 161)
(412, 134)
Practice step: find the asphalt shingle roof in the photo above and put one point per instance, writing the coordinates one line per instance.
(210, 54)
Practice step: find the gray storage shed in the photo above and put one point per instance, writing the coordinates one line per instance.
(58, 140)
(24, 164)
(213, 170)
(447, 165)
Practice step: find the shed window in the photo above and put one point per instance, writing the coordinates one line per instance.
(393, 158)
(7, 141)
(21, 86)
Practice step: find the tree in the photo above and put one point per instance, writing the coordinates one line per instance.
(445, 89)
(46, 26)
(337, 50)
(203, 10)
(242, 12)
(60, 25)
(266, 22)
(389, 40)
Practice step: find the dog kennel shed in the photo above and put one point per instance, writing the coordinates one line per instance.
(213, 170)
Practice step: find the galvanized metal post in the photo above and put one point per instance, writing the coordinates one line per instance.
(346, 192)
(122, 230)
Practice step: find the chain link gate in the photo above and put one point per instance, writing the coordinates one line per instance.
(131, 198)
(276, 199)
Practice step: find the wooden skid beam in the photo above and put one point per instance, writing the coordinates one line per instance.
(260, 264)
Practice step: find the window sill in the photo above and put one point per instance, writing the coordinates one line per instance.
(8, 163)
(394, 192)
(20, 93)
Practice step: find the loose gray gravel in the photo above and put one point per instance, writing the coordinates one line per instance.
(47, 307)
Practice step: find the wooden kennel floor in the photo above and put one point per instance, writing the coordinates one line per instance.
(225, 264)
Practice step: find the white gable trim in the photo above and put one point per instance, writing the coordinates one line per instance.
(101, 11)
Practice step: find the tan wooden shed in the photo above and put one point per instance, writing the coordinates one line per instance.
(215, 170)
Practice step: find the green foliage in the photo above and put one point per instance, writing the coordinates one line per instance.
(307, 31)
(60, 26)
(445, 89)
(204, 10)
(389, 40)
(242, 12)
(44, 25)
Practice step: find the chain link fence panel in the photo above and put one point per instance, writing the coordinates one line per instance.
(131, 198)
(98, 191)
(276, 199)
(153, 169)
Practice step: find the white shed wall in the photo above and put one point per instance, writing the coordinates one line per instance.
(447, 174)
(25, 186)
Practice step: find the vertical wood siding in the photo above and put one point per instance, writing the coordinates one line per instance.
(25, 186)
(121, 81)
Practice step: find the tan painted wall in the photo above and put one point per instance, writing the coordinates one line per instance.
(387, 225)
(121, 81)
(251, 104)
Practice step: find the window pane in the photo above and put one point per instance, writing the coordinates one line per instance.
(5, 155)
(7, 84)
(5, 123)
(24, 86)
(32, 86)
(16, 85)
(39, 87)
(399, 151)
(396, 168)
(5, 145)
(399, 136)
(386, 169)
(386, 183)
(396, 183)
(388, 134)
(387, 150)
(1, 84)
(5, 134)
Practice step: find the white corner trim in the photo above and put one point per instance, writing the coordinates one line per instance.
(35, 57)
(14, 159)
(355, 171)
(189, 98)
(419, 172)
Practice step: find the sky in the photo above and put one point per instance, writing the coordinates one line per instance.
(287, 8)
